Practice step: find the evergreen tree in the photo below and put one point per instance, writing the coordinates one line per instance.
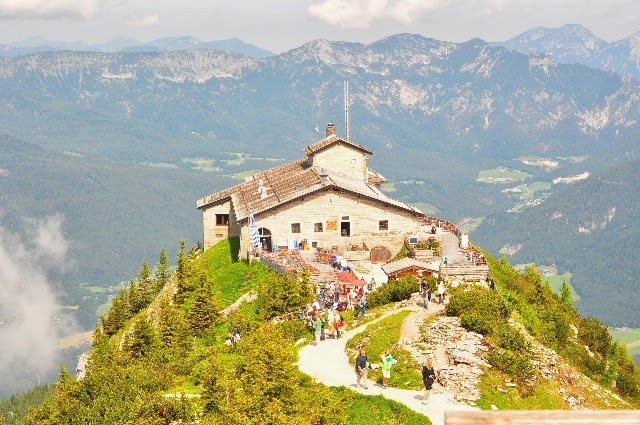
(168, 317)
(140, 341)
(204, 311)
(162, 272)
(144, 286)
(133, 298)
(181, 276)
(117, 314)
(565, 295)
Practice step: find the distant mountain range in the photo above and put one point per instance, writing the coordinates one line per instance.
(576, 44)
(123, 44)
(436, 114)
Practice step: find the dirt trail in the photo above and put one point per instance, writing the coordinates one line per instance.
(328, 363)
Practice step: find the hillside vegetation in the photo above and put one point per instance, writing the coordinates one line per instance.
(158, 356)
(158, 360)
(595, 242)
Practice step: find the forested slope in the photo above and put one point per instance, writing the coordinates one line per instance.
(590, 229)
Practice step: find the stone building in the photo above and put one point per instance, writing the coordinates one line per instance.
(328, 198)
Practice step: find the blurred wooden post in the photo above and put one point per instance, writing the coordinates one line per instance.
(544, 417)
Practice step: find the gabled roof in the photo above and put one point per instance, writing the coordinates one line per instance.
(330, 141)
(407, 263)
(277, 186)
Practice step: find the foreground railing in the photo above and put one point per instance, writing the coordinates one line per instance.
(544, 417)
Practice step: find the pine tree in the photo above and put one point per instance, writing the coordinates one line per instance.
(204, 311)
(117, 314)
(144, 286)
(140, 341)
(167, 323)
(162, 272)
(181, 276)
(565, 295)
(133, 299)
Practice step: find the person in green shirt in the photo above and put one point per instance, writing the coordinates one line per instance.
(317, 326)
(385, 364)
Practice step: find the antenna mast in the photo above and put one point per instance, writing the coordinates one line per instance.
(346, 109)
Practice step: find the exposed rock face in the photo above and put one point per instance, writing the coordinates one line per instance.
(81, 369)
(458, 356)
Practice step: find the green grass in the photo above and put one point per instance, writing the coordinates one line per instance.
(426, 208)
(468, 225)
(555, 282)
(382, 335)
(231, 279)
(202, 164)
(494, 391)
(97, 289)
(360, 409)
(529, 190)
(387, 187)
(626, 335)
(501, 175)
(104, 308)
(629, 337)
(160, 164)
(577, 159)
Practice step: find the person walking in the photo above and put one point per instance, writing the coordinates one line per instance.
(428, 377)
(330, 324)
(425, 299)
(337, 323)
(440, 292)
(361, 369)
(362, 305)
(317, 326)
(385, 364)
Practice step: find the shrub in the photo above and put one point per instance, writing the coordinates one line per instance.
(628, 382)
(396, 290)
(485, 302)
(294, 329)
(475, 321)
(509, 338)
(515, 365)
(595, 335)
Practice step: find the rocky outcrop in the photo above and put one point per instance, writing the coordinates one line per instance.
(458, 356)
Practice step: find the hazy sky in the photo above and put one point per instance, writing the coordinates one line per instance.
(280, 25)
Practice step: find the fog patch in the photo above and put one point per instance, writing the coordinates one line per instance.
(28, 328)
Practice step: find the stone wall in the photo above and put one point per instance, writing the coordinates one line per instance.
(342, 159)
(212, 233)
(331, 206)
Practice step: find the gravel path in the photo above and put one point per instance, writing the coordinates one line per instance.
(328, 363)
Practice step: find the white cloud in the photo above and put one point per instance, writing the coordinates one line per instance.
(146, 21)
(28, 334)
(49, 8)
(360, 14)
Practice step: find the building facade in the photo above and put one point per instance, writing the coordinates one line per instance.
(323, 200)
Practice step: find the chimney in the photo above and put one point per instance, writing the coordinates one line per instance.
(330, 131)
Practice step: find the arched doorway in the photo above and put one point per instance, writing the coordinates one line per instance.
(265, 239)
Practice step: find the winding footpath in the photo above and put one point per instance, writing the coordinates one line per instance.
(329, 364)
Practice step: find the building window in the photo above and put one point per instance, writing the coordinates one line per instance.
(353, 161)
(383, 225)
(317, 227)
(222, 219)
(345, 218)
(295, 227)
